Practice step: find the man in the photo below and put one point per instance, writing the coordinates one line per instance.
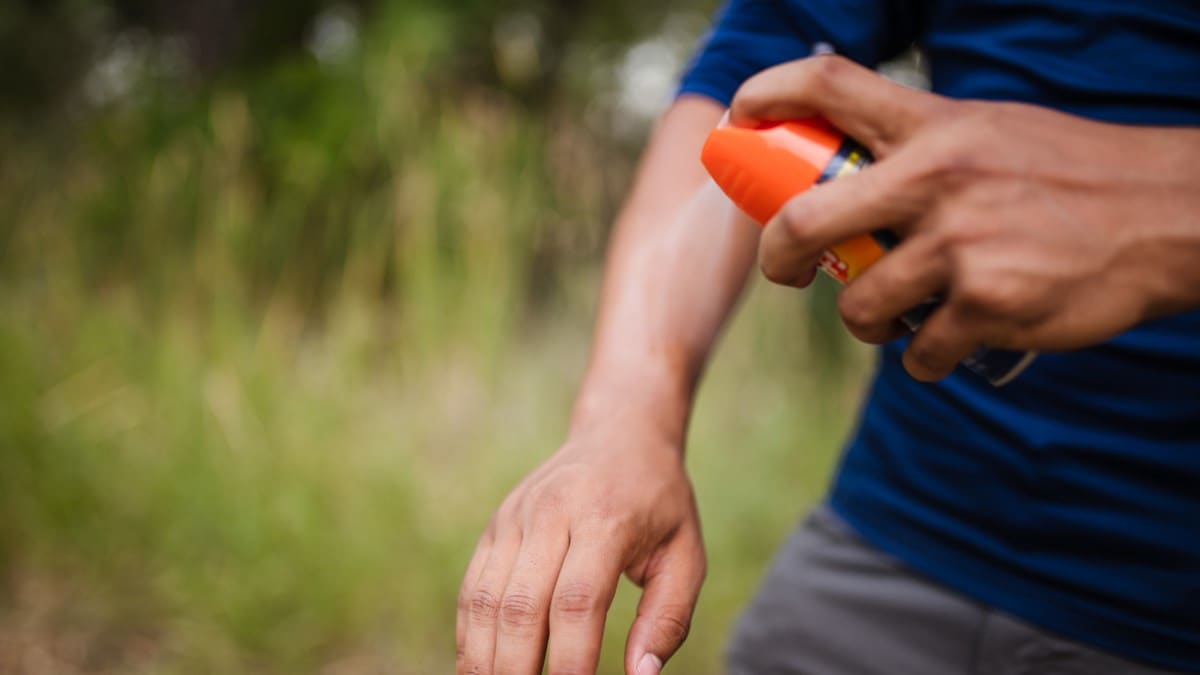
(1050, 190)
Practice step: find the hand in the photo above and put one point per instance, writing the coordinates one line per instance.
(1041, 230)
(615, 498)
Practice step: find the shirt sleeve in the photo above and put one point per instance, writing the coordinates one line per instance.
(749, 36)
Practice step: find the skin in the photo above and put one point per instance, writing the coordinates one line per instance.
(1043, 230)
(615, 497)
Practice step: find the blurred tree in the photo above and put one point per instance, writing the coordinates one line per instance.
(298, 140)
(562, 25)
(43, 45)
(228, 33)
(48, 46)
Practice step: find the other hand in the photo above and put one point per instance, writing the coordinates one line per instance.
(1040, 229)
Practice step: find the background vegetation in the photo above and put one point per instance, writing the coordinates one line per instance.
(292, 293)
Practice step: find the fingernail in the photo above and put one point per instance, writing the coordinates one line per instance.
(649, 665)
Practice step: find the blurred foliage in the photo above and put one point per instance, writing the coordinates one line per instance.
(280, 325)
(48, 46)
(310, 161)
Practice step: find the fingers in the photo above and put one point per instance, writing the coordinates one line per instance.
(880, 196)
(944, 340)
(672, 584)
(525, 606)
(581, 599)
(784, 257)
(483, 604)
(908, 276)
(462, 616)
(870, 108)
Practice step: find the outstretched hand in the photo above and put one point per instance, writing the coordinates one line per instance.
(1042, 230)
(613, 500)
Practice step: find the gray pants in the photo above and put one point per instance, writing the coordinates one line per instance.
(832, 605)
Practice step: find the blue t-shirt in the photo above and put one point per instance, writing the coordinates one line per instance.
(1071, 497)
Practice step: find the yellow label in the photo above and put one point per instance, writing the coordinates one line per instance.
(846, 260)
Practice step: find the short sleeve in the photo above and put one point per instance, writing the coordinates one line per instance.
(749, 36)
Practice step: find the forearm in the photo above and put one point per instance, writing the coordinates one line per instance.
(676, 266)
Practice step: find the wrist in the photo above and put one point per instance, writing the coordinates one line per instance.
(1168, 244)
(648, 398)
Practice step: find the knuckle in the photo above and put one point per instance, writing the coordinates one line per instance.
(607, 524)
(942, 113)
(519, 609)
(675, 625)
(548, 501)
(951, 162)
(601, 520)
(826, 71)
(926, 353)
(978, 293)
(931, 344)
(485, 606)
(779, 251)
(751, 96)
(576, 601)
(796, 218)
(772, 270)
(903, 276)
(617, 530)
(856, 309)
(1009, 298)
(945, 241)
(504, 513)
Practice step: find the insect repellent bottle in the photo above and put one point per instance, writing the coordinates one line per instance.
(761, 168)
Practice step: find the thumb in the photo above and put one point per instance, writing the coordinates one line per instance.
(664, 615)
(872, 109)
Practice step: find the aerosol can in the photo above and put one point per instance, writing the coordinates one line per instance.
(763, 167)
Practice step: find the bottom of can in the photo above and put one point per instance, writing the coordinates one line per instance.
(1015, 370)
(999, 366)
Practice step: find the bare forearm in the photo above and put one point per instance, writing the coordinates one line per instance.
(677, 263)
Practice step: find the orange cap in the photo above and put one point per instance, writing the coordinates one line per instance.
(761, 168)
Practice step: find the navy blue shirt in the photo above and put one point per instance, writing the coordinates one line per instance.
(1071, 497)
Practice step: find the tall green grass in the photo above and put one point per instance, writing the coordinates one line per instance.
(272, 351)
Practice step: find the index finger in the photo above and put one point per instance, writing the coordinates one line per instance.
(883, 195)
(872, 109)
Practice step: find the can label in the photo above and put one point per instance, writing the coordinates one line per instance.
(845, 260)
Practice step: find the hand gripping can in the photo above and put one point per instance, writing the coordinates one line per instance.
(761, 168)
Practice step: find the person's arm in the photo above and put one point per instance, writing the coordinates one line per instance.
(615, 497)
(677, 262)
(1041, 230)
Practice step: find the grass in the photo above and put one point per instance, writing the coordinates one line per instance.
(246, 502)
(270, 354)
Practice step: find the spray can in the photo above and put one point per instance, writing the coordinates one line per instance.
(761, 168)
